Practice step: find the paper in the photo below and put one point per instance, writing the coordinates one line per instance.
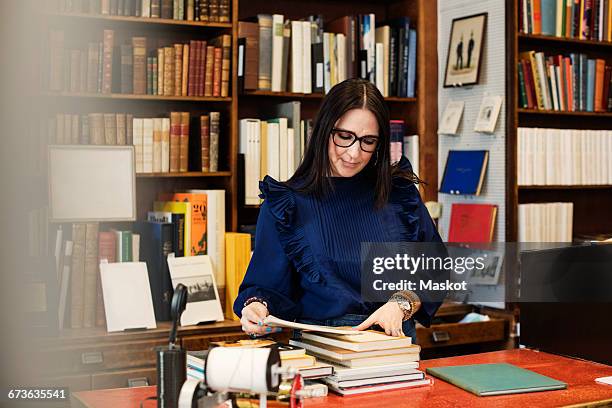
(449, 123)
(196, 273)
(276, 322)
(127, 296)
(488, 114)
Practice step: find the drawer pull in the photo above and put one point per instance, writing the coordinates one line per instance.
(94, 357)
(440, 336)
(138, 382)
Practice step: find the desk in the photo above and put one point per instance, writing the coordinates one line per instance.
(579, 375)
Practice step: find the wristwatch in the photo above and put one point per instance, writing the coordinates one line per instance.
(407, 301)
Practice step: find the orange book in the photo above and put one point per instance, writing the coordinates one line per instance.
(198, 242)
(569, 83)
(537, 17)
(600, 70)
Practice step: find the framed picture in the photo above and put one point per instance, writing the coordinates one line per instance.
(488, 114)
(465, 50)
(451, 118)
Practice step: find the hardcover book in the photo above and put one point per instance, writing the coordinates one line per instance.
(464, 172)
(472, 222)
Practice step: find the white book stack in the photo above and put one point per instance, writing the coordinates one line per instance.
(564, 157)
(545, 222)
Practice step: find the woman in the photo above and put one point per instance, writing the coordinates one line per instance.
(306, 261)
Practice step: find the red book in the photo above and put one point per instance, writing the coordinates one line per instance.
(205, 142)
(529, 85)
(472, 222)
(569, 83)
(175, 134)
(193, 52)
(216, 77)
(201, 68)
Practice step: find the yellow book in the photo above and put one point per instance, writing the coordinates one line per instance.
(199, 211)
(609, 21)
(263, 148)
(237, 257)
(581, 22)
(178, 208)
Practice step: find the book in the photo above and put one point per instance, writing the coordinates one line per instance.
(77, 275)
(342, 373)
(237, 257)
(339, 354)
(90, 274)
(416, 375)
(472, 222)
(495, 379)
(380, 387)
(183, 209)
(368, 340)
(198, 240)
(464, 172)
(318, 370)
(298, 361)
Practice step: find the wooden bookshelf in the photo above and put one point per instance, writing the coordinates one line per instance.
(293, 95)
(185, 174)
(591, 202)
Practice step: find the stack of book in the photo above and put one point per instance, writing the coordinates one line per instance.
(545, 222)
(306, 365)
(365, 362)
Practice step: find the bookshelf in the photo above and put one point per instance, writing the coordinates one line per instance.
(591, 202)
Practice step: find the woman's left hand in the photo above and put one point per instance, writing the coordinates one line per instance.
(389, 316)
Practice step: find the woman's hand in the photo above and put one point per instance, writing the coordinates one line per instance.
(252, 320)
(389, 316)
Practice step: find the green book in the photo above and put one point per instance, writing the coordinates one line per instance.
(495, 379)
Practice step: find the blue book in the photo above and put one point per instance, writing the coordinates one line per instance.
(590, 87)
(412, 45)
(549, 17)
(464, 172)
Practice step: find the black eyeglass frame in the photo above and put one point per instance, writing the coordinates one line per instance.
(355, 138)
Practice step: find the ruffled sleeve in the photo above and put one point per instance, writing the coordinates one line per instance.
(270, 274)
(418, 227)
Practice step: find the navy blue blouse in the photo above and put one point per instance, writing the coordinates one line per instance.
(306, 260)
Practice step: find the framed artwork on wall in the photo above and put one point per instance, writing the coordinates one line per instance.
(465, 45)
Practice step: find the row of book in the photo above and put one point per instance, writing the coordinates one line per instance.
(161, 145)
(199, 68)
(564, 157)
(564, 83)
(582, 19)
(189, 10)
(186, 224)
(545, 222)
(305, 57)
(78, 251)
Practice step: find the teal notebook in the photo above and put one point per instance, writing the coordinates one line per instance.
(495, 379)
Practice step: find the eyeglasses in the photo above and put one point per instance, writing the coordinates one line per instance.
(346, 138)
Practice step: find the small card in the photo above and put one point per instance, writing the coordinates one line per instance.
(488, 114)
(449, 123)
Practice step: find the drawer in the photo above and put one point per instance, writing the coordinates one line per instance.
(124, 378)
(452, 334)
(101, 357)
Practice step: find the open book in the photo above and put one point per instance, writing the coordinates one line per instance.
(276, 322)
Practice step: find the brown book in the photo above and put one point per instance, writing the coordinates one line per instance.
(225, 43)
(185, 74)
(204, 10)
(91, 272)
(77, 278)
(127, 69)
(250, 31)
(83, 73)
(606, 86)
(208, 75)
(110, 129)
(74, 131)
(167, 9)
(346, 25)
(175, 145)
(106, 250)
(178, 69)
(213, 11)
(92, 67)
(129, 129)
(184, 143)
(202, 68)
(121, 129)
(600, 70)
(205, 142)
(84, 136)
(139, 45)
(107, 61)
(214, 141)
(216, 78)
(56, 60)
(224, 11)
(161, 62)
(96, 129)
(155, 8)
(191, 81)
(168, 71)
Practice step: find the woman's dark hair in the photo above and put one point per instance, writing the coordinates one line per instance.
(312, 175)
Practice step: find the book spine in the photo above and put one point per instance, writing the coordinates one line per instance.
(216, 77)
(161, 67)
(208, 78)
(127, 69)
(168, 71)
(191, 81)
(226, 44)
(175, 133)
(90, 274)
(77, 276)
(214, 141)
(165, 145)
(178, 69)
(205, 142)
(184, 142)
(107, 71)
(106, 251)
(186, 71)
(110, 129)
(139, 45)
(121, 129)
(224, 11)
(265, 52)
